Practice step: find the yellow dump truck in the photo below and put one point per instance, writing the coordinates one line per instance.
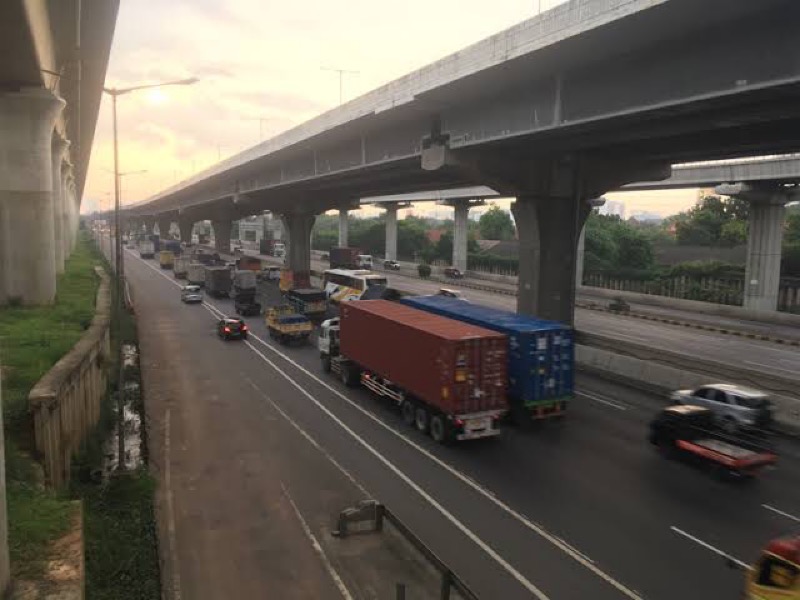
(166, 259)
(285, 325)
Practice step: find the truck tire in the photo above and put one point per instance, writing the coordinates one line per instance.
(350, 375)
(422, 419)
(326, 364)
(407, 409)
(439, 429)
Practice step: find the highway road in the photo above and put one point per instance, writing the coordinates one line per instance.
(585, 509)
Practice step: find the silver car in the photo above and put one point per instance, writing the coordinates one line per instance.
(734, 407)
(191, 294)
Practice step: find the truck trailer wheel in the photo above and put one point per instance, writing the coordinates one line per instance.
(422, 419)
(439, 431)
(326, 364)
(407, 409)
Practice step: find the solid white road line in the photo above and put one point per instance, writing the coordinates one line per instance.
(781, 513)
(535, 527)
(708, 546)
(318, 547)
(602, 400)
(171, 533)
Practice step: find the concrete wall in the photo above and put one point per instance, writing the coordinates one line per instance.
(66, 401)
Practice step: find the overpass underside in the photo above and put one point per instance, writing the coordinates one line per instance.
(676, 81)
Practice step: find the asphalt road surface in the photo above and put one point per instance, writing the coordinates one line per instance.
(585, 509)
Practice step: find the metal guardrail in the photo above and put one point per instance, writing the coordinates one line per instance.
(373, 514)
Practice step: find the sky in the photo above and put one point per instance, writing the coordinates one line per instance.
(262, 69)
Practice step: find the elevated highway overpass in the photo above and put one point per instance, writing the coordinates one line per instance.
(555, 111)
(53, 58)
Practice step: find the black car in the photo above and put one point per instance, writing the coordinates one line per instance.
(232, 329)
(453, 273)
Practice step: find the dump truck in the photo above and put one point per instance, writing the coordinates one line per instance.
(447, 377)
(146, 249)
(173, 246)
(196, 274)
(166, 259)
(285, 325)
(218, 281)
(342, 257)
(541, 354)
(310, 302)
(180, 267)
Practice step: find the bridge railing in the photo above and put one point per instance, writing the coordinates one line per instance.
(66, 402)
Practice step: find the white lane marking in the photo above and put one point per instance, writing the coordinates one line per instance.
(318, 547)
(535, 527)
(773, 367)
(310, 439)
(708, 546)
(408, 481)
(574, 549)
(173, 538)
(781, 513)
(602, 400)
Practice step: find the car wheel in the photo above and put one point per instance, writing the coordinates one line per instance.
(407, 410)
(439, 429)
(422, 419)
(729, 425)
(326, 364)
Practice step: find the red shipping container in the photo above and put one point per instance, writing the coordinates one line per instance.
(456, 367)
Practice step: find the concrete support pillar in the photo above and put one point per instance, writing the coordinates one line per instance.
(27, 230)
(74, 203)
(222, 235)
(298, 236)
(548, 230)
(391, 231)
(762, 275)
(579, 255)
(343, 226)
(460, 229)
(60, 225)
(65, 181)
(164, 225)
(149, 225)
(186, 226)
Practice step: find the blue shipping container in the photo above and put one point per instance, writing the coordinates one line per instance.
(541, 354)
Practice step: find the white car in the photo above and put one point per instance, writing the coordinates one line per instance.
(733, 406)
(191, 294)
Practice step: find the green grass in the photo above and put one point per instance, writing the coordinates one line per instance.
(32, 340)
(120, 538)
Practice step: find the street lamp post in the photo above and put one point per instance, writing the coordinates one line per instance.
(118, 260)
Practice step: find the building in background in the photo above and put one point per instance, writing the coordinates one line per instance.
(613, 207)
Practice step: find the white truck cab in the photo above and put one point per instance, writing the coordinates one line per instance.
(364, 261)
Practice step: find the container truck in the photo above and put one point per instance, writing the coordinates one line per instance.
(447, 377)
(541, 354)
(180, 267)
(196, 274)
(156, 242)
(146, 249)
(249, 263)
(166, 259)
(344, 258)
(218, 281)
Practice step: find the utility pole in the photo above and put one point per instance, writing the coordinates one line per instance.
(342, 73)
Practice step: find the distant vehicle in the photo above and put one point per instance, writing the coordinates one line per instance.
(449, 293)
(146, 249)
(342, 257)
(218, 281)
(279, 250)
(690, 432)
(180, 267)
(344, 285)
(285, 325)
(776, 573)
(249, 263)
(734, 407)
(196, 274)
(391, 265)
(447, 378)
(191, 294)
(166, 259)
(270, 274)
(244, 293)
(310, 302)
(453, 273)
(325, 256)
(364, 261)
(232, 329)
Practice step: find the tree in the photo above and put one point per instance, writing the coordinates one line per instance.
(496, 224)
(734, 233)
(444, 247)
(634, 251)
(703, 225)
(792, 233)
